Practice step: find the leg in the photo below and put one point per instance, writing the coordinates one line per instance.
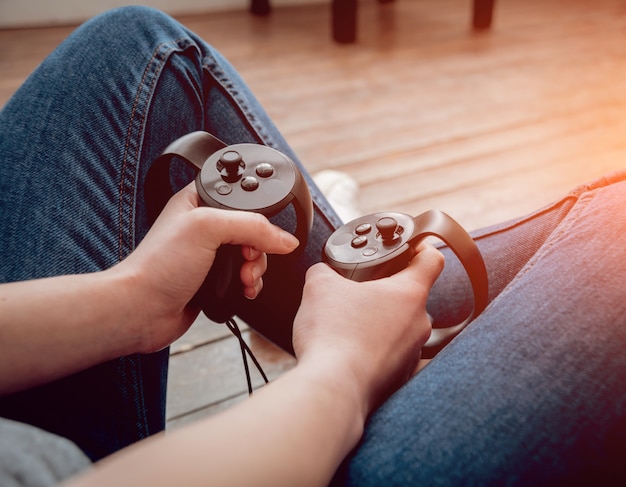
(532, 393)
(78, 139)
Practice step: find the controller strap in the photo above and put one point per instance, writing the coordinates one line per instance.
(438, 224)
(245, 349)
(193, 148)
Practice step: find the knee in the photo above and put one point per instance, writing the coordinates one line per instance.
(133, 15)
(138, 22)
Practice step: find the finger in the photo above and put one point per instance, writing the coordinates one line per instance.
(425, 266)
(252, 271)
(250, 253)
(244, 228)
(186, 198)
(235, 227)
(251, 292)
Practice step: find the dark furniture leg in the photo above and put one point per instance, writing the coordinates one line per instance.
(260, 7)
(344, 14)
(483, 14)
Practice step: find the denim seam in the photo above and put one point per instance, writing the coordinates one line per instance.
(572, 196)
(136, 128)
(572, 216)
(211, 65)
(128, 189)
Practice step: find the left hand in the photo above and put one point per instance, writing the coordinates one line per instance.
(172, 261)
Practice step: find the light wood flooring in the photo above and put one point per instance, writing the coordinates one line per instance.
(421, 112)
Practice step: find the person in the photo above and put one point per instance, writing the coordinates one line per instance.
(532, 392)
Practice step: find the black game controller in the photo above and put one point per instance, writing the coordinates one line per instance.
(248, 177)
(381, 244)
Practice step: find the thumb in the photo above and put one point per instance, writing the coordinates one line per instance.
(245, 228)
(425, 266)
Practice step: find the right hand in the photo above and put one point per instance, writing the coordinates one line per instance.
(374, 330)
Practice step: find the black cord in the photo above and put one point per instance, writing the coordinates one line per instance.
(245, 349)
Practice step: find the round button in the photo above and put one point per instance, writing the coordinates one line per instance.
(363, 228)
(265, 170)
(223, 189)
(359, 241)
(249, 183)
(368, 252)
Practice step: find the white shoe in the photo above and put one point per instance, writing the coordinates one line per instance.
(341, 191)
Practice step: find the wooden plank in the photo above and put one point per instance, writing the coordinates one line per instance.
(201, 333)
(203, 377)
(553, 157)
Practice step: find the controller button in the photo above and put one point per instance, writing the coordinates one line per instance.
(363, 228)
(368, 252)
(265, 170)
(387, 228)
(230, 158)
(249, 183)
(230, 166)
(359, 241)
(223, 189)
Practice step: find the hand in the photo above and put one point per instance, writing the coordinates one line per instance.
(170, 264)
(371, 332)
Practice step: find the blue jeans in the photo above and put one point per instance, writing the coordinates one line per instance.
(533, 392)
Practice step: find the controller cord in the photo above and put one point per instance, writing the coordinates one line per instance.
(245, 349)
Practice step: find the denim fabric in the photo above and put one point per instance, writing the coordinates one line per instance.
(77, 141)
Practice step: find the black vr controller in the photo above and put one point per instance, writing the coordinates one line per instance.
(248, 177)
(381, 244)
(259, 179)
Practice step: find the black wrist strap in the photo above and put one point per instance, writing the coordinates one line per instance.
(438, 224)
(194, 149)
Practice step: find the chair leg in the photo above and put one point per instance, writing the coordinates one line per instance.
(483, 14)
(260, 7)
(344, 16)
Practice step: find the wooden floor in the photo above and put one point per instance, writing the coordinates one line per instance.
(422, 112)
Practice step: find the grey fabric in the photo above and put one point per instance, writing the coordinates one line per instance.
(31, 457)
